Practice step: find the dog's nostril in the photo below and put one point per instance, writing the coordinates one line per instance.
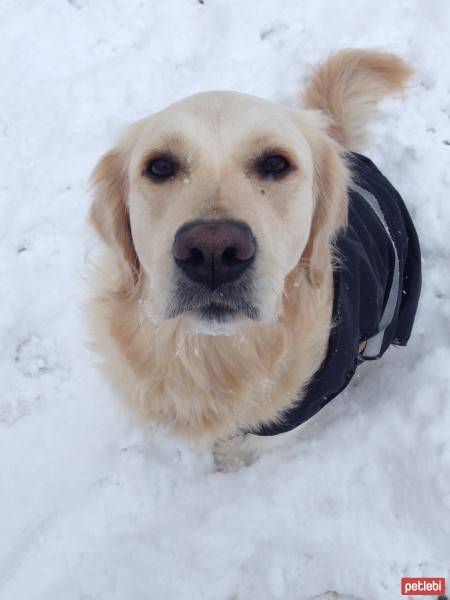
(197, 257)
(229, 256)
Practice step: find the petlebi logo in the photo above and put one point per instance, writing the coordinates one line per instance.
(423, 586)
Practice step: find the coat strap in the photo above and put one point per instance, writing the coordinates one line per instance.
(374, 344)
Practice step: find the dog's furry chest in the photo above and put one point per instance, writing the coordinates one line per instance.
(205, 386)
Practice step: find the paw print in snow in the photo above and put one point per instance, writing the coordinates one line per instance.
(36, 356)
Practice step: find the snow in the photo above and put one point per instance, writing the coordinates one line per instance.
(92, 506)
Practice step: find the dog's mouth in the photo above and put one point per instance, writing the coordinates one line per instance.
(217, 312)
(225, 304)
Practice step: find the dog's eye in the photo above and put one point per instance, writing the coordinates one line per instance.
(274, 165)
(161, 169)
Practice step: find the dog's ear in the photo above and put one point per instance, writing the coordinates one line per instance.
(331, 178)
(109, 210)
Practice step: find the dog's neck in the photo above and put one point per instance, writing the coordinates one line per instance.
(210, 386)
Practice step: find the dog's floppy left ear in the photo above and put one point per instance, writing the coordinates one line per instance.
(331, 178)
(109, 210)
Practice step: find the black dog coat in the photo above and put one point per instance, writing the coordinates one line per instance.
(376, 289)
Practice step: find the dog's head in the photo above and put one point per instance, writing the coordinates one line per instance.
(214, 201)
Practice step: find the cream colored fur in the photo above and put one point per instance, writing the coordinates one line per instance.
(209, 387)
(348, 87)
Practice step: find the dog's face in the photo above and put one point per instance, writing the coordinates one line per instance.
(215, 200)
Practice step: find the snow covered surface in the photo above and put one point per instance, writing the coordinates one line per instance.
(91, 505)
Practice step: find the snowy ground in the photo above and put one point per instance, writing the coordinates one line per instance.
(93, 507)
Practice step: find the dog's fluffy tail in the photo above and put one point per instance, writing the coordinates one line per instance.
(348, 87)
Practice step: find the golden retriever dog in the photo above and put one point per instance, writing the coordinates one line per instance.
(213, 292)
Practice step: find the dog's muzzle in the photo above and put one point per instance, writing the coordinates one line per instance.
(213, 263)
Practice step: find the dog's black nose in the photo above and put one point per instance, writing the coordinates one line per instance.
(214, 252)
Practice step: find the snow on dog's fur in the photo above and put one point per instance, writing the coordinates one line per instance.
(172, 370)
